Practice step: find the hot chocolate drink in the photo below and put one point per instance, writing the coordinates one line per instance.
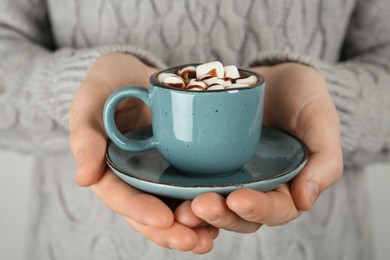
(206, 77)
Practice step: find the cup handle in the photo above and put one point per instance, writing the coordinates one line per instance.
(113, 133)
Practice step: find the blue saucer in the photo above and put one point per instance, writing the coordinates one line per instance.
(278, 159)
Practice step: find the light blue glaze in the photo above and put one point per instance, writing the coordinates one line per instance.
(109, 122)
(278, 158)
(208, 132)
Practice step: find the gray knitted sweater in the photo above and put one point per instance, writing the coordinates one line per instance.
(47, 47)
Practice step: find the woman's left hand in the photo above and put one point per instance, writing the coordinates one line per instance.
(297, 101)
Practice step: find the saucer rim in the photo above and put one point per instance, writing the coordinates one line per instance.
(299, 165)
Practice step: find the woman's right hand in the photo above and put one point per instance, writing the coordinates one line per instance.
(144, 212)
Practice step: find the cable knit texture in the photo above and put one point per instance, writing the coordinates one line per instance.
(47, 47)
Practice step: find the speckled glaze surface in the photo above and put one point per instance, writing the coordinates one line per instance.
(200, 133)
(278, 158)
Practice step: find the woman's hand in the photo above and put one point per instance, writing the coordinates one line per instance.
(144, 212)
(297, 101)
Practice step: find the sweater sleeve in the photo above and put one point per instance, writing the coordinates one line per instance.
(38, 81)
(359, 83)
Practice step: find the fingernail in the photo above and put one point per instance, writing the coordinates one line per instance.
(313, 190)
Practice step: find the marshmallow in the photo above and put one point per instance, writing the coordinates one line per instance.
(187, 73)
(238, 85)
(208, 80)
(195, 88)
(231, 71)
(251, 80)
(226, 82)
(215, 87)
(214, 68)
(214, 80)
(222, 82)
(162, 76)
(174, 81)
(196, 83)
(208, 76)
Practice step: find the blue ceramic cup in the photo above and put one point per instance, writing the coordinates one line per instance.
(198, 132)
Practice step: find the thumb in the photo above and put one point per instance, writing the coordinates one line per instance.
(320, 172)
(88, 147)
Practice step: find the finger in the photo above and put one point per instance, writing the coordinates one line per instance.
(135, 110)
(325, 162)
(87, 137)
(270, 208)
(206, 235)
(177, 236)
(185, 215)
(213, 231)
(213, 209)
(321, 171)
(88, 146)
(132, 203)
